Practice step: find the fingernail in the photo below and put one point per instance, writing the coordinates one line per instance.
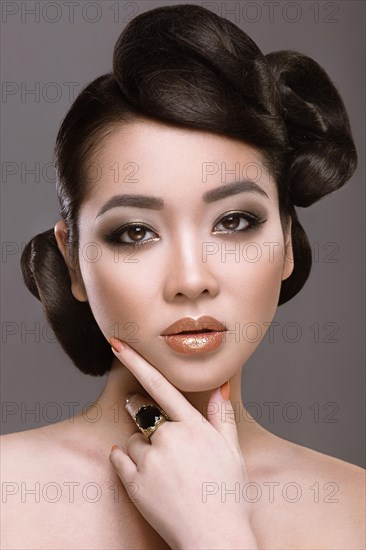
(114, 447)
(128, 397)
(225, 390)
(116, 344)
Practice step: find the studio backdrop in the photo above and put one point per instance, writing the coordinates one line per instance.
(306, 380)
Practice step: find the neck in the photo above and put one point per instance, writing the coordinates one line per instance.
(116, 423)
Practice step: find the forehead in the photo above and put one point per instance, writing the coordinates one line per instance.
(150, 157)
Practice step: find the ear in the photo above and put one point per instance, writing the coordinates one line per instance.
(288, 262)
(77, 284)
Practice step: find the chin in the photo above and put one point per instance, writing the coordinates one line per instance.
(199, 372)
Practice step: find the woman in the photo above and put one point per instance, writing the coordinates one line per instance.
(151, 213)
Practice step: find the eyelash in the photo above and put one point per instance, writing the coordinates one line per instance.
(254, 221)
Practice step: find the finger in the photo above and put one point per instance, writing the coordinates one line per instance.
(123, 465)
(136, 401)
(157, 386)
(221, 415)
(137, 445)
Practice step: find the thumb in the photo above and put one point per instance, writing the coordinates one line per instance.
(220, 414)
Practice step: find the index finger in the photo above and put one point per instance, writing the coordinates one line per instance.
(161, 390)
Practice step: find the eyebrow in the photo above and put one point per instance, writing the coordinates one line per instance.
(157, 203)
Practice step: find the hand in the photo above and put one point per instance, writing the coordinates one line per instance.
(185, 472)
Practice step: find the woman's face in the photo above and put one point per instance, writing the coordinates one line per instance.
(194, 257)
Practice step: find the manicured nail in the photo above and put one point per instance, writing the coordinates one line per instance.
(128, 397)
(116, 344)
(114, 447)
(225, 390)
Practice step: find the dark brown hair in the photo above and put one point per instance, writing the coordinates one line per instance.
(186, 66)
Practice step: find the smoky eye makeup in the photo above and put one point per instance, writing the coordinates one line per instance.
(234, 222)
(131, 234)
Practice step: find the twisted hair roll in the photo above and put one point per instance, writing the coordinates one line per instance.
(184, 65)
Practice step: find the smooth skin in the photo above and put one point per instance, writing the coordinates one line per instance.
(136, 301)
(197, 454)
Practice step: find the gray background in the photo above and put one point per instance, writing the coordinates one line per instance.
(315, 386)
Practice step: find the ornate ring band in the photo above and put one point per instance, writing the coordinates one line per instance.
(148, 418)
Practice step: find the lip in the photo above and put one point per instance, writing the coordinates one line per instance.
(189, 324)
(197, 342)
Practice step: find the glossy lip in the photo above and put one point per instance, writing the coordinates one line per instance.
(187, 324)
(208, 335)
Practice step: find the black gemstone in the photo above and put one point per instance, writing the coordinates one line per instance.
(147, 416)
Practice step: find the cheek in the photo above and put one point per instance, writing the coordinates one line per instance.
(119, 295)
(256, 281)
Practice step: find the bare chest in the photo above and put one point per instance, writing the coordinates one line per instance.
(75, 512)
(77, 505)
(98, 513)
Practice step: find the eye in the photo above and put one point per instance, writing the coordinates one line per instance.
(134, 234)
(238, 221)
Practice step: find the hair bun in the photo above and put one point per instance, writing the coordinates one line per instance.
(323, 152)
(46, 275)
(32, 256)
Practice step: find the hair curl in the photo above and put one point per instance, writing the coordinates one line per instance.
(184, 65)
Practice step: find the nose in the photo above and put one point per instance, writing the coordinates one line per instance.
(187, 274)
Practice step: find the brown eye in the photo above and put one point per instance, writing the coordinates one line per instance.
(136, 233)
(131, 234)
(231, 222)
(235, 222)
(238, 222)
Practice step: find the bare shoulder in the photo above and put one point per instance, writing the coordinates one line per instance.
(49, 447)
(23, 465)
(342, 485)
(26, 436)
(13, 447)
(45, 455)
(57, 478)
(328, 492)
(44, 474)
(19, 448)
(329, 469)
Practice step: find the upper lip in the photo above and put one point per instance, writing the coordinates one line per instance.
(188, 324)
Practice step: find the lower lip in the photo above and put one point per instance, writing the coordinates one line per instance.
(199, 342)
